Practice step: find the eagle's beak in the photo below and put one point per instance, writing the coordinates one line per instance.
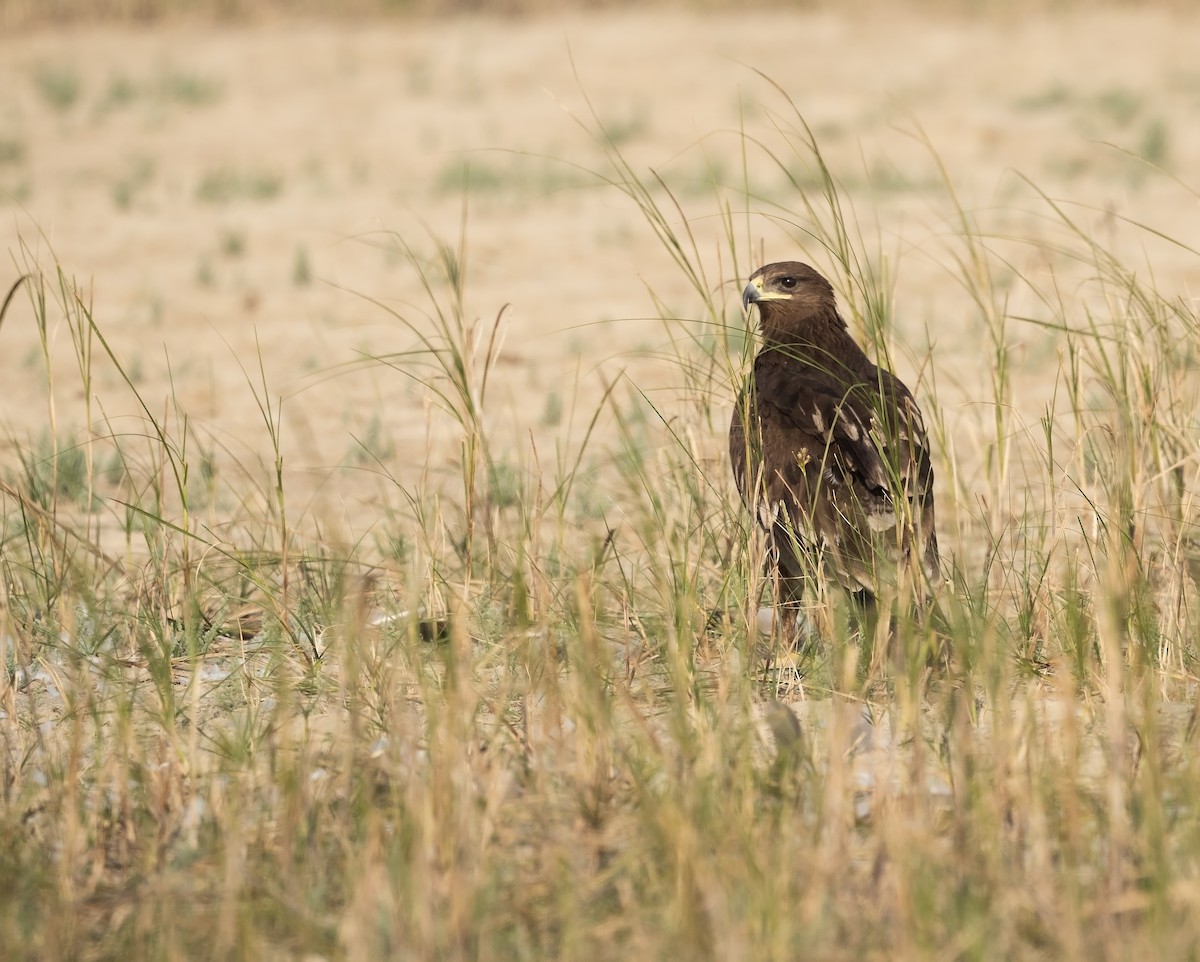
(755, 294)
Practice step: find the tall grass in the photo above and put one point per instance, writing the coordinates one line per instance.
(513, 730)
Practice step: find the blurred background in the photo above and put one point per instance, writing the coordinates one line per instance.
(30, 11)
(255, 195)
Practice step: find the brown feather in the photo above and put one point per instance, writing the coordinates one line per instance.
(829, 451)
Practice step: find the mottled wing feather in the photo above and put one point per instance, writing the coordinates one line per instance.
(844, 470)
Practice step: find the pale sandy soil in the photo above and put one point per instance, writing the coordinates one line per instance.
(338, 139)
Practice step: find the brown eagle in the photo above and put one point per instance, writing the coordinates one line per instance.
(829, 450)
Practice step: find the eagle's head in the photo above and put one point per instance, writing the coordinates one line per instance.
(795, 303)
(796, 284)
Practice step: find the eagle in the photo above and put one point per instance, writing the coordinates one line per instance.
(829, 450)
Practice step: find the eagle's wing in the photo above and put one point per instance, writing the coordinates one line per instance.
(845, 469)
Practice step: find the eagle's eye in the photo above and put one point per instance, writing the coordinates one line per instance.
(787, 282)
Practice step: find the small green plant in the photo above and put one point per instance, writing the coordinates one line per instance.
(462, 175)
(225, 186)
(191, 89)
(1120, 105)
(232, 243)
(506, 484)
(206, 275)
(628, 128)
(19, 192)
(59, 85)
(53, 471)
(1054, 96)
(374, 446)
(169, 87)
(12, 151)
(1155, 147)
(513, 173)
(552, 410)
(301, 268)
(120, 92)
(139, 174)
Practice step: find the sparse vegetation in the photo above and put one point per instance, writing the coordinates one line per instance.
(206, 276)
(166, 88)
(491, 173)
(552, 410)
(138, 175)
(1119, 105)
(54, 472)
(58, 84)
(301, 268)
(226, 185)
(232, 243)
(12, 150)
(186, 88)
(1156, 144)
(523, 709)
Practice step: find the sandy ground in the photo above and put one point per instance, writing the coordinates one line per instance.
(229, 195)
